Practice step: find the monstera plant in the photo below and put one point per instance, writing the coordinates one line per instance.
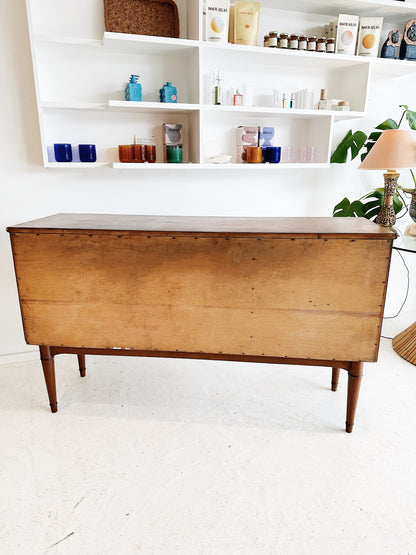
(369, 205)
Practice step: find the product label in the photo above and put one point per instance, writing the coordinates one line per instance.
(214, 9)
(347, 34)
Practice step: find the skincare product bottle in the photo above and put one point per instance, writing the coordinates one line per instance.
(133, 90)
(276, 98)
(292, 101)
(284, 101)
(323, 103)
(168, 93)
(330, 45)
(273, 40)
(303, 41)
(343, 106)
(237, 99)
(247, 95)
(218, 90)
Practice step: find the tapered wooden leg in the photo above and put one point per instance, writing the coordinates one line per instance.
(48, 366)
(335, 378)
(82, 366)
(355, 374)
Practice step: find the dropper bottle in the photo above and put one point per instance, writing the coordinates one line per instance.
(218, 89)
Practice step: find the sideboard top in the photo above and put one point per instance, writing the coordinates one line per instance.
(205, 225)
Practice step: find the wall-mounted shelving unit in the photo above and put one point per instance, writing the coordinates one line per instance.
(80, 73)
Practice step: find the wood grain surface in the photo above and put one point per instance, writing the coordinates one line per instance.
(215, 226)
(285, 297)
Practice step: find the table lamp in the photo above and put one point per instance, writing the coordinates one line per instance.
(395, 148)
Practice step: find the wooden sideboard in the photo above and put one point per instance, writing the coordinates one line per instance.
(279, 290)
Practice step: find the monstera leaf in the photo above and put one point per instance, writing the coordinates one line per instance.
(353, 142)
(366, 207)
(348, 209)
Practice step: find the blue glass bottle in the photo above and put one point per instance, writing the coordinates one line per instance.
(168, 93)
(133, 90)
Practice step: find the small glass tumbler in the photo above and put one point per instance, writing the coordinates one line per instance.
(151, 153)
(87, 153)
(311, 154)
(63, 152)
(272, 154)
(254, 154)
(125, 153)
(301, 154)
(139, 153)
(174, 154)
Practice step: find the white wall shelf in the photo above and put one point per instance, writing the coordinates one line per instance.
(81, 70)
(215, 167)
(123, 43)
(386, 8)
(77, 165)
(90, 106)
(151, 107)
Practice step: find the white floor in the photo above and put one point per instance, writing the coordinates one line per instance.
(155, 456)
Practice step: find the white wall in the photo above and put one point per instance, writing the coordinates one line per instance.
(30, 191)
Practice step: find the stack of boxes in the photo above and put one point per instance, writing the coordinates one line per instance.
(245, 136)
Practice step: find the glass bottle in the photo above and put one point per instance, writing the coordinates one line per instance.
(311, 46)
(283, 40)
(218, 90)
(237, 98)
(294, 41)
(321, 44)
(330, 46)
(303, 40)
(323, 102)
(273, 39)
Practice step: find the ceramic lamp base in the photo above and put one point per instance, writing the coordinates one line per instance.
(387, 215)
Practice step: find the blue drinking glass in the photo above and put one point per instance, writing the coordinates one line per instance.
(87, 153)
(63, 152)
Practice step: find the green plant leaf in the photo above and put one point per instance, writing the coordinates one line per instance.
(340, 154)
(388, 124)
(357, 142)
(397, 201)
(374, 202)
(372, 207)
(368, 208)
(353, 142)
(411, 118)
(372, 139)
(374, 136)
(347, 209)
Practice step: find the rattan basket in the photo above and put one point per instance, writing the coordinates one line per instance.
(142, 17)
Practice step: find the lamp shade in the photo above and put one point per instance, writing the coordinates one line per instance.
(395, 149)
